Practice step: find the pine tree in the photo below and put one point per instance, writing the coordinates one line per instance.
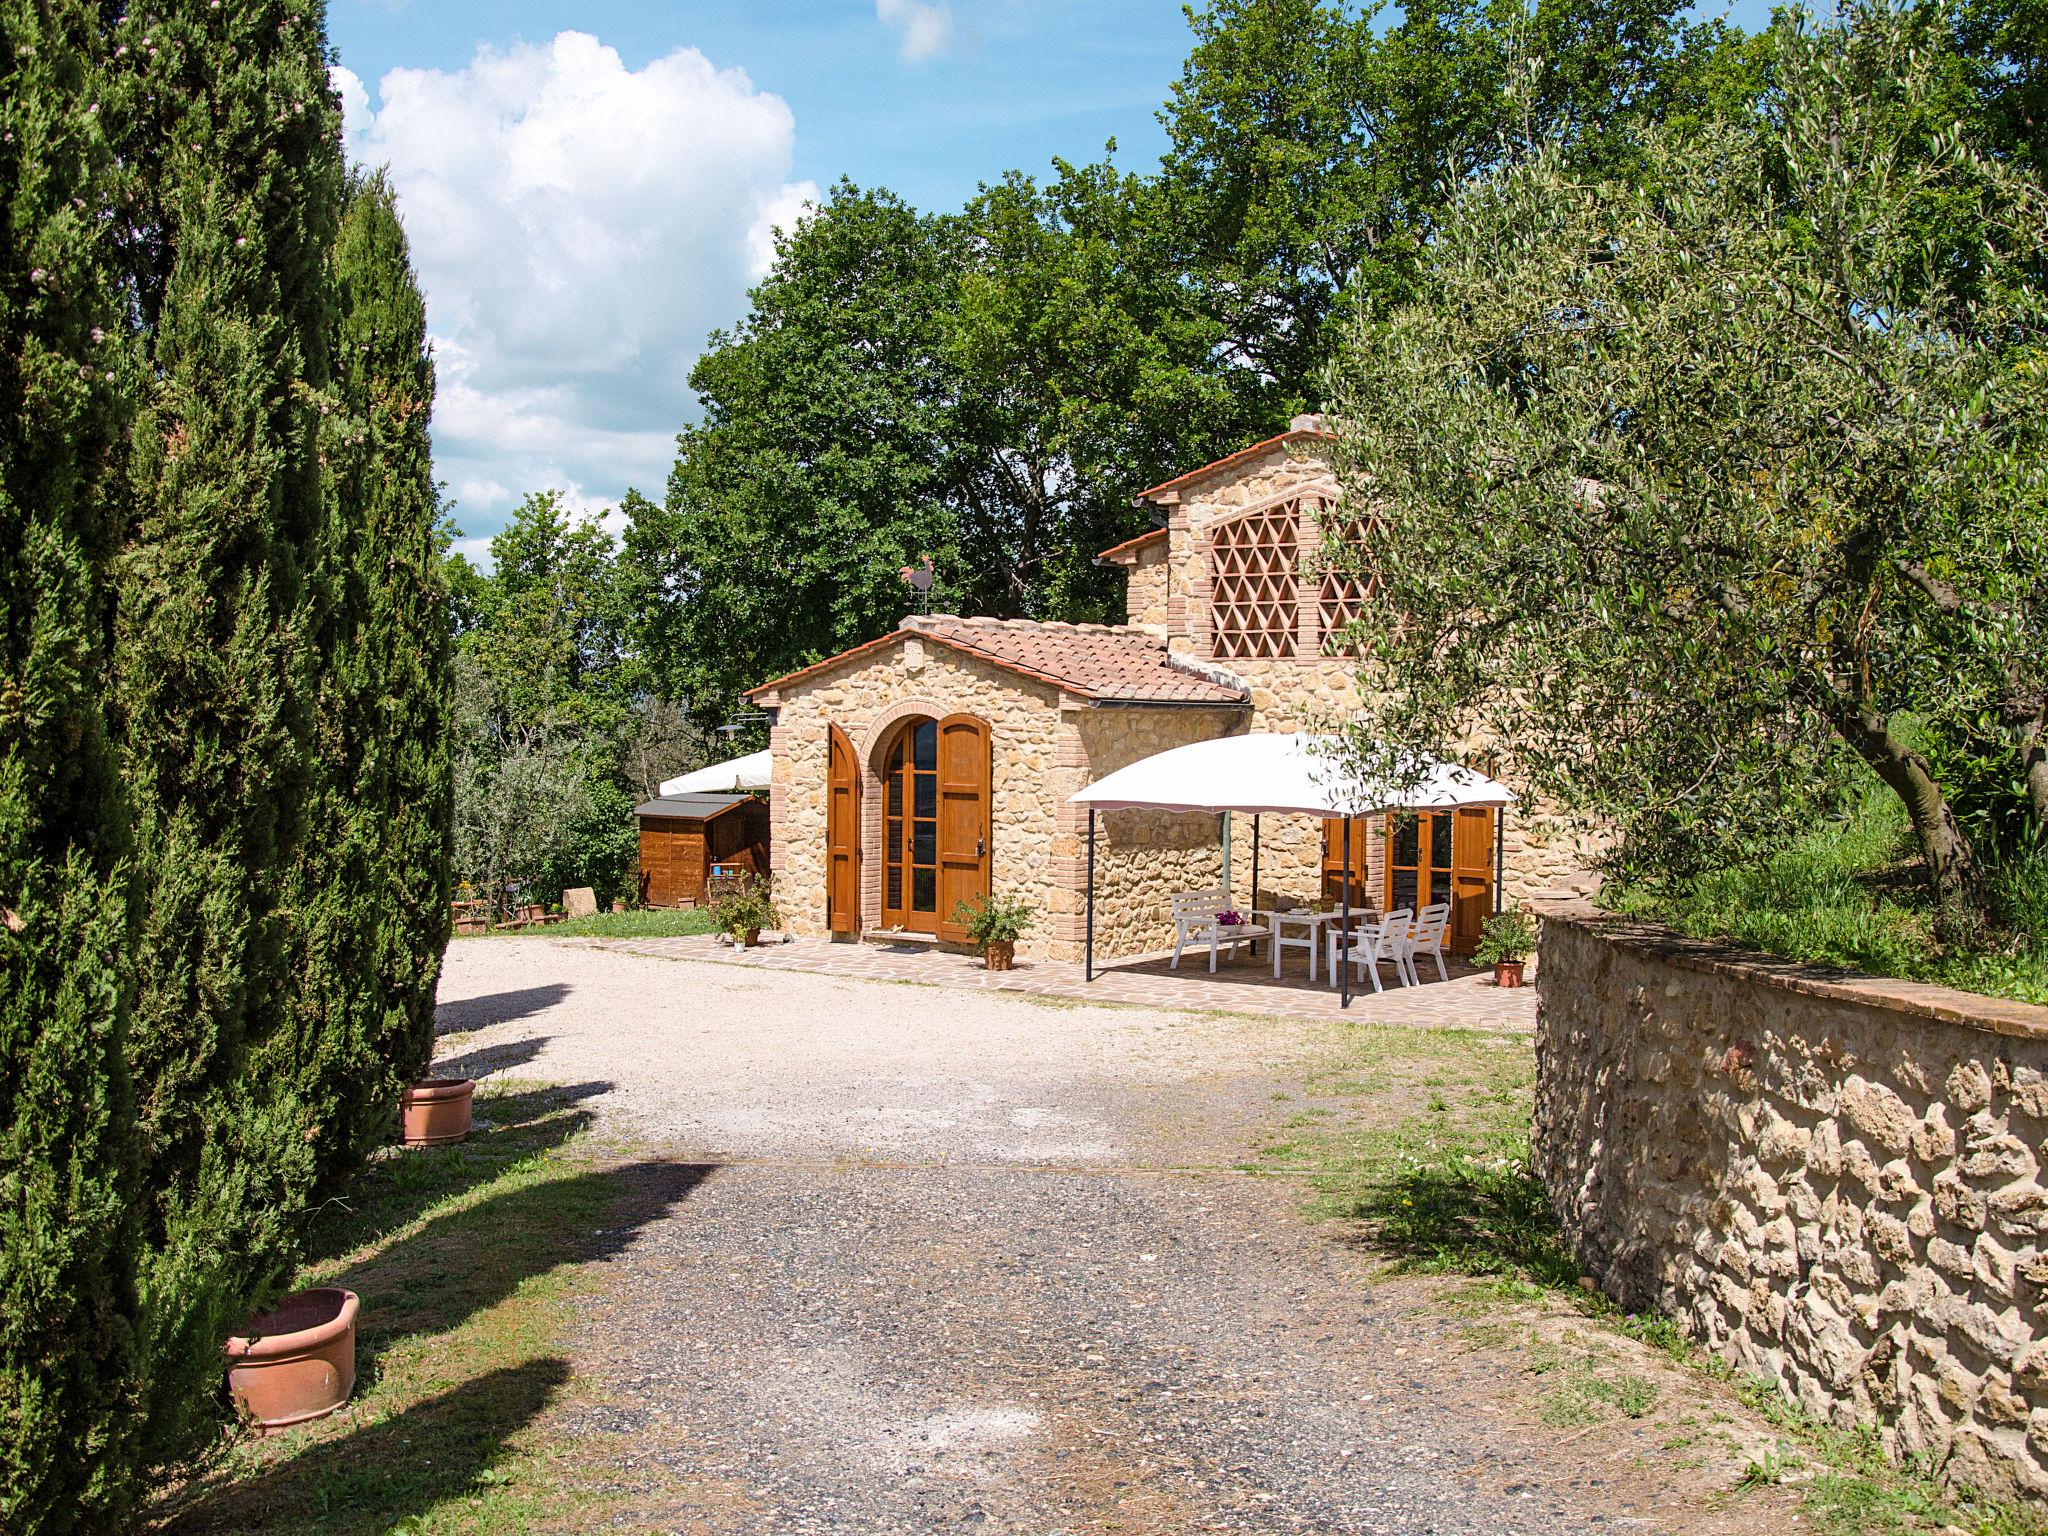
(67, 1147)
(231, 139)
(387, 378)
(372, 901)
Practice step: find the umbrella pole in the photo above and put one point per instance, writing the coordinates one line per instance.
(1255, 873)
(1344, 927)
(1088, 960)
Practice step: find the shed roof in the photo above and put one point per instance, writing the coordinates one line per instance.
(1108, 663)
(690, 807)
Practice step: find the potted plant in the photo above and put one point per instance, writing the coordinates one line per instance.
(296, 1361)
(1505, 942)
(745, 908)
(436, 1110)
(995, 924)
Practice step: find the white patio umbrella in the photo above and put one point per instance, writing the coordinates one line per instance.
(1290, 775)
(739, 773)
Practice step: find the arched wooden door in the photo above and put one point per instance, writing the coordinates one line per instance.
(842, 834)
(963, 818)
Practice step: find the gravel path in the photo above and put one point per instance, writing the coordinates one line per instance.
(962, 1261)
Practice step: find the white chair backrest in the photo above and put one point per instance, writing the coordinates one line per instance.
(1393, 934)
(1199, 903)
(1430, 925)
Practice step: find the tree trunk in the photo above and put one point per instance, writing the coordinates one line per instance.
(1952, 874)
(2034, 751)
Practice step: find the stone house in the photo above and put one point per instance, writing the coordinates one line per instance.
(935, 763)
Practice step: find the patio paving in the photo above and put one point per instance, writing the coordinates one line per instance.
(1241, 984)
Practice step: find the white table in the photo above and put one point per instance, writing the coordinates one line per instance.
(1314, 923)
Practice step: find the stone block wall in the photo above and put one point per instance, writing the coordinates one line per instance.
(1833, 1182)
(867, 699)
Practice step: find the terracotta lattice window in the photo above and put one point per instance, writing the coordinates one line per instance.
(1254, 590)
(1342, 595)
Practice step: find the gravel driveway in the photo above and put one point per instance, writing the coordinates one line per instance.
(969, 1261)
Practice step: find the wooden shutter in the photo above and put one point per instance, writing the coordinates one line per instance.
(1471, 876)
(963, 818)
(1333, 860)
(842, 834)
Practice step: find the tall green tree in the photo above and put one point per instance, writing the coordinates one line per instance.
(369, 908)
(1313, 151)
(68, 1152)
(817, 470)
(230, 139)
(1689, 488)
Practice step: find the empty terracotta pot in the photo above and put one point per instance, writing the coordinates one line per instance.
(436, 1110)
(297, 1361)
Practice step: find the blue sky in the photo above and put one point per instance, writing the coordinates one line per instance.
(590, 188)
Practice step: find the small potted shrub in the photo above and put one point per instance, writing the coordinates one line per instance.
(1505, 942)
(745, 909)
(995, 924)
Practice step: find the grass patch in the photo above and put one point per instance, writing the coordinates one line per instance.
(648, 923)
(469, 1259)
(1430, 1166)
(1848, 894)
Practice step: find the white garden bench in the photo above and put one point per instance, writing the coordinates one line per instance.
(1194, 922)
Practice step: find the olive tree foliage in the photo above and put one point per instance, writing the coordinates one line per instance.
(1688, 484)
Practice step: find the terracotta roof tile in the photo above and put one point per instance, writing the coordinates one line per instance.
(1096, 661)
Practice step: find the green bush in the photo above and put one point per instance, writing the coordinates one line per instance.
(68, 1154)
(994, 920)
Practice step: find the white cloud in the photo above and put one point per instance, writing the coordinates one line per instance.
(578, 228)
(924, 27)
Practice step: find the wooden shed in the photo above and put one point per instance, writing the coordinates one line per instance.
(683, 836)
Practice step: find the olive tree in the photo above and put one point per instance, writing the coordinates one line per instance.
(1684, 485)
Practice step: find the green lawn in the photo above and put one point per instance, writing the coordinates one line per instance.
(648, 923)
(1846, 894)
(470, 1261)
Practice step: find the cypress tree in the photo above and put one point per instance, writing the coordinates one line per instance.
(67, 1149)
(374, 869)
(232, 142)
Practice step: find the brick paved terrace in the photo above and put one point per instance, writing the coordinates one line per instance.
(1242, 983)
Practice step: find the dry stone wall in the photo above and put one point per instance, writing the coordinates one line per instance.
(1833, 1182)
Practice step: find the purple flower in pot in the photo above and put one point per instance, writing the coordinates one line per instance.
(1230, 917)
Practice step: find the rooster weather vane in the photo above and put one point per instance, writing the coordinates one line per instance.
(919, 579)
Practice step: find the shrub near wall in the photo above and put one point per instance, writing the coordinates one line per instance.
(1832, 1181)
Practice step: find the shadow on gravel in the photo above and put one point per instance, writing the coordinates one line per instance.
(497, 1007)
(369, 1481)
(489, 1059)
(467, 1259)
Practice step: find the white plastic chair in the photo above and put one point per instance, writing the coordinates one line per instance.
(1386, 940)
(1432, 926)
(1194, 921)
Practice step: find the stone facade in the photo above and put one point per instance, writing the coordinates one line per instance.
(1542, 858)
(1832, 1182)
(1049, 741)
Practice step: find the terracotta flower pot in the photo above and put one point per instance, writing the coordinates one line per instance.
(297, 1361)
(751, 939)
(1000, 955)
(1508, 973)
(436, 1110)
(618, 907)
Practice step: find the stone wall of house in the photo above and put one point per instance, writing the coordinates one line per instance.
(1141, 857)
(1835, 1183)
(868, 698)
(1145, 585)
